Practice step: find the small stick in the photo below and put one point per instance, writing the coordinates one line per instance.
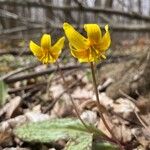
(141, 120)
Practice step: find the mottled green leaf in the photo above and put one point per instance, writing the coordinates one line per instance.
(48, 131)
(79, 138)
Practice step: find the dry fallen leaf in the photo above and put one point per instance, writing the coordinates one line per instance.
(36, 116)
(125, 108)
(10, 107)
(82, 93)
(105, 84)
(56, 89)
(13, 122)
(5, 138)
(142, 138)
(104, 100)
(62, 108)
(13, 105)
(89, 116)
(9, 124)
(123, 133)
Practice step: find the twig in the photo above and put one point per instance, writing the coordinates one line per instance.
(7, 76)
(111, 59)
(28, 87)
(14, 52)
(128, 97)
(44, 72)
(141, 120)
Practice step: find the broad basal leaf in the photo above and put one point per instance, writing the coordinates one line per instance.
(48, 131)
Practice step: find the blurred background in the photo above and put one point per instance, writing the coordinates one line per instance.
(129, 21)
(27, 86)
(30, 18)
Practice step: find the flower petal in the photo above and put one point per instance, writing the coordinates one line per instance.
(57, 48)
(82, 55)
(46, 41)
(93, 32)
(48, 59)
(75, 38)
(105, 41)
(36, 50)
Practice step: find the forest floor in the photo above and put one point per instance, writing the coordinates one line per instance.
(36, 92)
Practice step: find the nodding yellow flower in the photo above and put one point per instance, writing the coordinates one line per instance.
(45, 52)
(89, 49)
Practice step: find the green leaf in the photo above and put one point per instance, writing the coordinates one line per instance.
(79, 138)
(49, 131)
(83, 142)
(3, 92)
(104, 146)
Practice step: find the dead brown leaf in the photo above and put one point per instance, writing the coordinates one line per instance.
(122, 133)
(5, 138)
(13, 105)
(10, 107)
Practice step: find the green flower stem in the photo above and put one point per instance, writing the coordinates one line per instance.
(100, 106)
(71, 98)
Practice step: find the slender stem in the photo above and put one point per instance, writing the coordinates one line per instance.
(71, 98)
(100, 106)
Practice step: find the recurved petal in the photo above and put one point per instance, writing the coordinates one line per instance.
(75, 38)
(46, 41)
(105, 41)
(82, 55)
(36, 50)
(57, 47)
(93, 33)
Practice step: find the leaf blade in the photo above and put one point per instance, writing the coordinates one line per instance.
(83, 142)
(48, 131)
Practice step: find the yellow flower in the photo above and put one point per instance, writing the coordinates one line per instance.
(47, 53)
(89, 49)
